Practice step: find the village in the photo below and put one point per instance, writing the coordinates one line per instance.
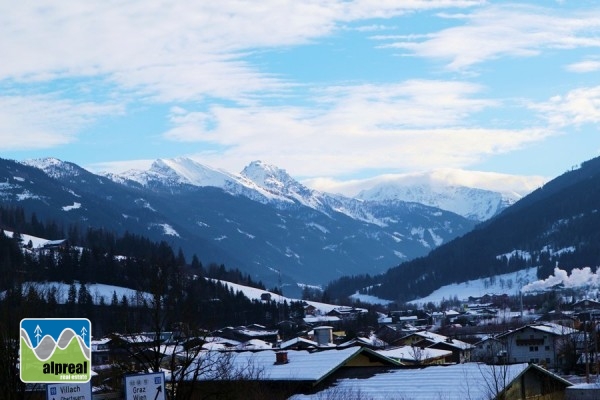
(478, 351)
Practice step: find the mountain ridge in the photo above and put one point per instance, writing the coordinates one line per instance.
(554, 225)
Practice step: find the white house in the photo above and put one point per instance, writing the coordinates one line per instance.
(538, 343)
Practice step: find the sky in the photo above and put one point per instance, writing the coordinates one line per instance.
(336, 92)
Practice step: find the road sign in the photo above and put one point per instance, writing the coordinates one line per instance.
(69, 391)
(145, 386)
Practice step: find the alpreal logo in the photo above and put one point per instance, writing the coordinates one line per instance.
(55, 350)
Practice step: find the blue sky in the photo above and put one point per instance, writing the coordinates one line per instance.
(335, 92)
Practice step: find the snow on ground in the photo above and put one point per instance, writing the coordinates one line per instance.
(98, 291)
(74, 206)
(35, 241)
(255, 294)
(507, 283)
(368, 299)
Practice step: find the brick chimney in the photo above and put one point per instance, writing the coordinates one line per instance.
(281, 357)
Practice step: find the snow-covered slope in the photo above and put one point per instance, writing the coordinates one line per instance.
(260, 221)
(266, 183)
(470, 202)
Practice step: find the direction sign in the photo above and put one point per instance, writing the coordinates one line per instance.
(145, 386)
(69, 391)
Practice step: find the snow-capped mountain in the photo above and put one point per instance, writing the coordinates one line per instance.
(261, 221)
(555, 225)
(472, 203)
(269, 184)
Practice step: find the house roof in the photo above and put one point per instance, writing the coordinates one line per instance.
(412, 354)
(254, 344)
(301, 366)
(298, 340)
(320, 319)
(553, 329)
(460, 381)
(436, 338)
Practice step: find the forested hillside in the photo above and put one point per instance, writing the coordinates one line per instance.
(97, 256)
(557, 224)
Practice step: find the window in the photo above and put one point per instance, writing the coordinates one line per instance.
(533, 348)
(547, 348)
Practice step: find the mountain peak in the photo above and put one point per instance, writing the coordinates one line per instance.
(472, 203)
(54, 167)
(269, 176)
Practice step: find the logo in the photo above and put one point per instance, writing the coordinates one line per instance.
(55, 350)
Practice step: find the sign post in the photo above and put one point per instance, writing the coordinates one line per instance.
(69, 391)
(145, 386)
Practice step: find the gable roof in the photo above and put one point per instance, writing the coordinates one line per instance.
(302, 365)
(553, 329)
(412, 354)
(436, 338)
(460, 381)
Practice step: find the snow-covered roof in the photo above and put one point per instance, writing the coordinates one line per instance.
(301, 366)
(372, 341)
(320, 319)
(460, 381)
(254, 344)
(410, 353)
(437, 338)
(257, 332)
(297, 340)
(553, 329)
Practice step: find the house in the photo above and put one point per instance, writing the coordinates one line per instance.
(489, 350)
(323, 319)
(372, 342)
(100, 351)
(56, 244)
(390, 334)
(586, 305)
(346, 313)
(245, 333)
(557, 317)
(538, 343)
(473, 381)
(583, 391)
(461, 351)
(299, 343)
(274, 374)
(414, 355)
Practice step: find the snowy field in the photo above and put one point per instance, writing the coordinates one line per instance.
(510, 284)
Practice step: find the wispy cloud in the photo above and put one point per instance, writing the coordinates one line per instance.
(516, 31)
(483, 180)
(415, 124)
(584, 66)
(40, 121)
(577, 107)
(174, 50)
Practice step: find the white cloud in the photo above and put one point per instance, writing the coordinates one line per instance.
(584, 66)
(579, 106)
(37, 122)
(174, 50)
(493, 32)
(493, 181)
(413, 125)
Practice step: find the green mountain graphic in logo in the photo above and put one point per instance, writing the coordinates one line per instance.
(51, 359)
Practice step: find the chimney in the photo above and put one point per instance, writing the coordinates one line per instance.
(323, 335)
(281, 357)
